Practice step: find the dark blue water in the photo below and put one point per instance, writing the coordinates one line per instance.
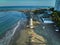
(25, 6)
(7, 19)
(22, 7)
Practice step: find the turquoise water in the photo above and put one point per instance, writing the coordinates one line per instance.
(7, 19)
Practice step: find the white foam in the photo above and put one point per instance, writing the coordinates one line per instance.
(16, 28)
(6, 40)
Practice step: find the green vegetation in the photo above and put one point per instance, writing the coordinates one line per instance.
(39, 11)
(56, 18)
(51, 9)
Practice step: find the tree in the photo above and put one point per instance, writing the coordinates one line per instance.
(40, 11)
(56, 18)
(51, 9)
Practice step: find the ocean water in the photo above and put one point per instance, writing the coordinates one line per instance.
(22, 7)
(10, 21)
(7, 19)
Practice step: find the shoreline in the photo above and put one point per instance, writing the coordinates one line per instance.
(3, 34)
(17, 34)
(10, 34)
(6, 36)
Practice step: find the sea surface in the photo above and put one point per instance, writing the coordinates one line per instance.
(22, 7)
(10, 21)
(7, 19)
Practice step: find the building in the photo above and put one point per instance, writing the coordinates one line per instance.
(57, 5)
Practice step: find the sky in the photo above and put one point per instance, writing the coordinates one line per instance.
(27, 2)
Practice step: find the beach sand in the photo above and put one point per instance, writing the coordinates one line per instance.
(17, 33)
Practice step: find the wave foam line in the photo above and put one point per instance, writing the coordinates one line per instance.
(6, 40)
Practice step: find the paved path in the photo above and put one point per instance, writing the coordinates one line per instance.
(52, 37)
(49, 33)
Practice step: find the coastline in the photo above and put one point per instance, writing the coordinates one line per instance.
(7, 35)
(3, 34)
(17, 33)
(10, 35)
